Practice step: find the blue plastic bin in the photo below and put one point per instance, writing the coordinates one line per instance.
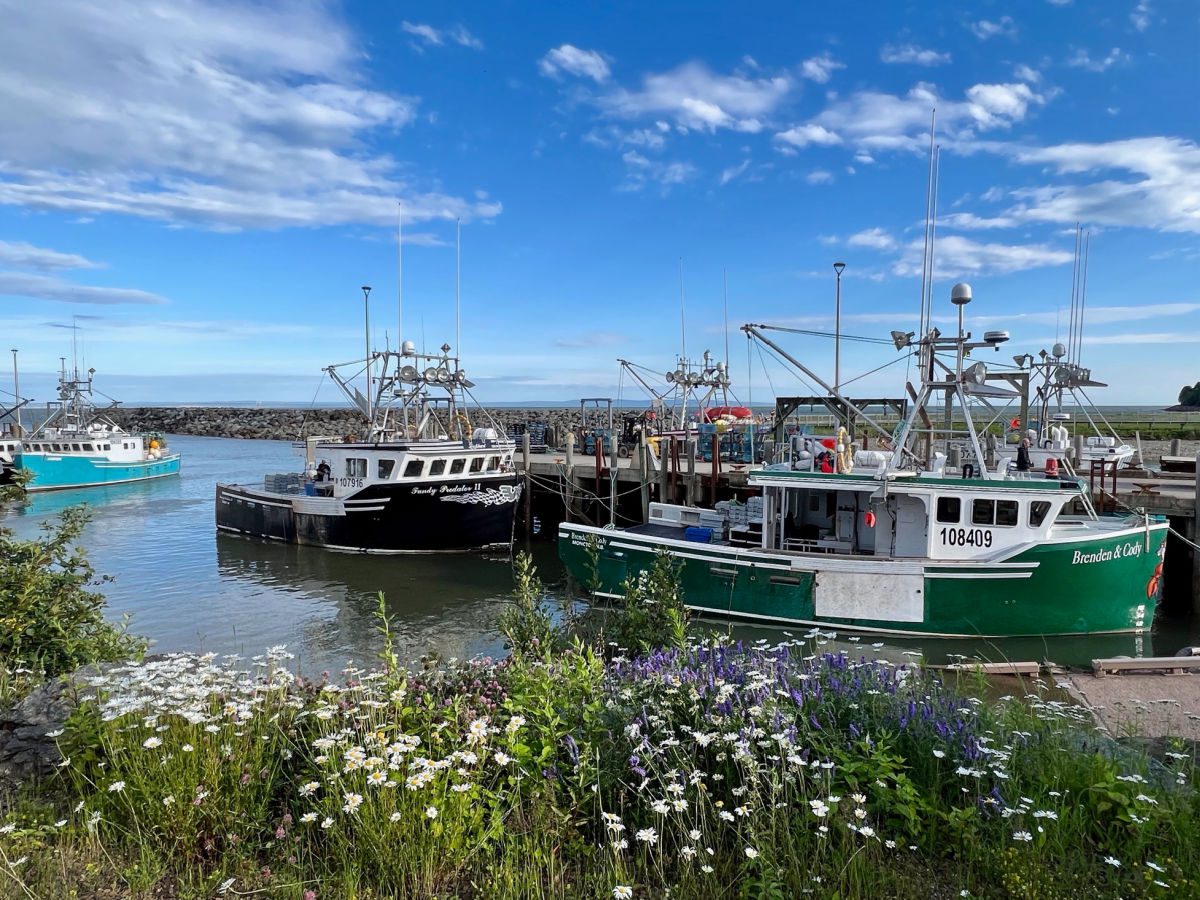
(698, 534)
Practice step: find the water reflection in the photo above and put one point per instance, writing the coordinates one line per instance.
(445, 605)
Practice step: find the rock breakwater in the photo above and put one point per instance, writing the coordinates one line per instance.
(294, 424)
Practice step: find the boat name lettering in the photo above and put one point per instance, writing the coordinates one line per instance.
(1121, 551)
(446, 489)
(966, 537)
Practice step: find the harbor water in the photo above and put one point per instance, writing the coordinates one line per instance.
(186, 587)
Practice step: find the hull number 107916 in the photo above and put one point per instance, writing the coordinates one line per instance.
(966, 537)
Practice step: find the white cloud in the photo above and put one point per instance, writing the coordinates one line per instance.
(641, 172)
(957, 256)
(874, 120)
(207, 112)
(913, 55)
(27, 256)
(804, 135)
(1081, 60)
(697, 98)
(972, 222)
(1059, 2)
(1164, 192)
(438, 37)
(1003, 27)
(820, 68)
(48, 287)
(1140, 17)
(733, 172)
(819, 176)
(572, 60)
(874, 238)
(1026, 73)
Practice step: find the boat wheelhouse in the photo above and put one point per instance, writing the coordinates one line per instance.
(892, 543)
(79, 446)
(425, 479)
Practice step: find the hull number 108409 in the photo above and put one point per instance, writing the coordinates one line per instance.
(967, 537)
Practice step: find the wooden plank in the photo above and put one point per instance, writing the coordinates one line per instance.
(994, 668)
(1173, 664)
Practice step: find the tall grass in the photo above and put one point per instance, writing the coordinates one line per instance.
(711, 771)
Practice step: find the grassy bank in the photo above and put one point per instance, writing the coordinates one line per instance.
(574, 768)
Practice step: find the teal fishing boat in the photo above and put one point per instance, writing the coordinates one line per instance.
(79, 446)
(900, 541)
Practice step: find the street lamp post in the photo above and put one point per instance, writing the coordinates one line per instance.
(837, 330)
(366, 289)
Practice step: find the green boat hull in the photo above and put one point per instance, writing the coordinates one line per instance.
(1098, 584)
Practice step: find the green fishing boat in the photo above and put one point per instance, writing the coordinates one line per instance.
(944, 546)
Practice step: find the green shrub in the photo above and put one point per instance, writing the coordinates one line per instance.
(50, 618)
(651, 614)
(527, 624)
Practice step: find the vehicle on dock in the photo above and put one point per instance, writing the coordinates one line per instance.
(424, 479)
(911, 545)
(78, 446)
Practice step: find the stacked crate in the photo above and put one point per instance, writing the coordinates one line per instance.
(283, 483)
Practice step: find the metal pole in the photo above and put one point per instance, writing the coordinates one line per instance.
(366, 289)
(837, 329)
(17, 392)
(458, 288)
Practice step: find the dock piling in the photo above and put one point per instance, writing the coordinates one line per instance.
(528, 483)
(692, 482)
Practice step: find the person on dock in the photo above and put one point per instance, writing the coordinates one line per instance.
(1023, 462)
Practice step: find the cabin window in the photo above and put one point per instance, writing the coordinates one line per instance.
(89, 448)
(356, 467)
(1038, 510)
(1008, 513)
(384, 469)
(949, 509)
(456, 466)
(493, 463)
(106, 447)
(437, 467)
(995, 512)
(75, 447)
(477, 464)
(414, 467)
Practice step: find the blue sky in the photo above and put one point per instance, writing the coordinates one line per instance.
(202, 186)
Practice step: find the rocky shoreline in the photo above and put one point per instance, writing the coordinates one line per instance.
(295, 424)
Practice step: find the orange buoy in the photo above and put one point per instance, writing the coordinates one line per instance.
(1152, 588)
(870, 519)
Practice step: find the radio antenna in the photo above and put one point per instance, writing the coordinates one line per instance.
(725, 284)
(682, 319)
(400, 276)
(928, 212)
(458, 288)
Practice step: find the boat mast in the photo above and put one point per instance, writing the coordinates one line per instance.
(458, 288)
(366, 289)
(17, 393)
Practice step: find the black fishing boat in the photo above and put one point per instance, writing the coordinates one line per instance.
(426, 479)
